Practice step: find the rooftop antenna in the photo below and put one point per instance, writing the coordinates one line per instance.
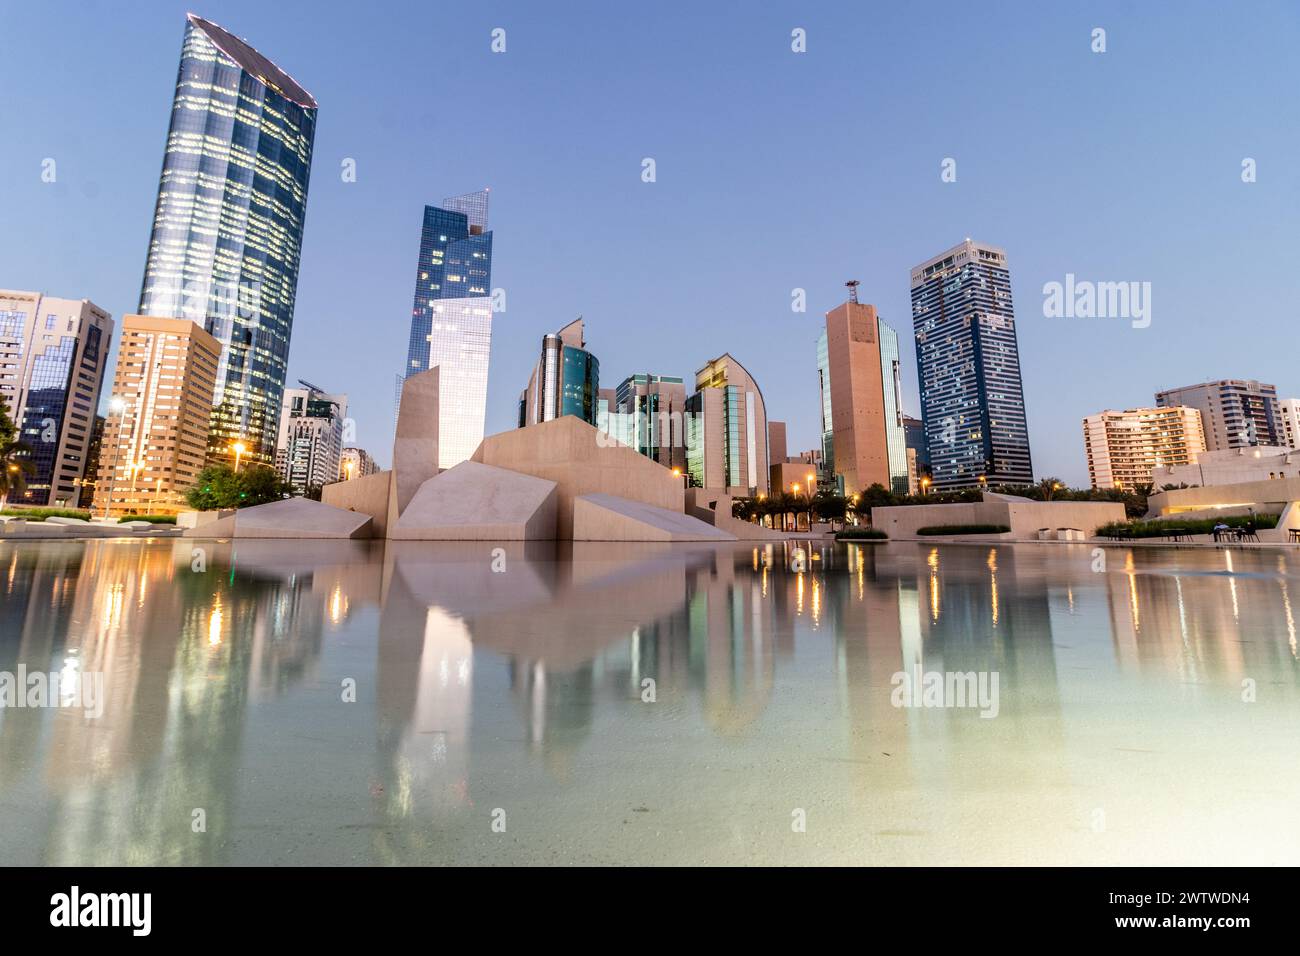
(853, 290)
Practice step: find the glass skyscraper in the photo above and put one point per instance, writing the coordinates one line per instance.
(891, 379)
(451, 319)
(972, 401)
(227, 228)
(565, 381)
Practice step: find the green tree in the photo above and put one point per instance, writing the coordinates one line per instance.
(259, 484)
(216, 487)
(15, 459)
(219, 487)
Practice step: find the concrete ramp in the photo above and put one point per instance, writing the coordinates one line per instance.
(477, 502)
(290, 518)
(601, 517)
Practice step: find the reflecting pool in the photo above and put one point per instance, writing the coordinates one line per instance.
(361, 703)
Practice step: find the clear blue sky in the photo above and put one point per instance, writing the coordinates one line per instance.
(775, 171)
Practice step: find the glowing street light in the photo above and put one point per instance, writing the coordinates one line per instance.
(238, 448)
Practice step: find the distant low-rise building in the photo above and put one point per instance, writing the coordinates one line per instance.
(1125, 449)
(1231, 466)
(356, 463)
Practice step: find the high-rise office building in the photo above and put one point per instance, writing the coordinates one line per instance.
(972, 400)
(918, 455)
(726, 430)
(861, 392)
(1125, 449)
(565, 380)
(1289, 412)
(1235, 413)
(52, 358)
(777, 448)
(228, 224)
(310, 448)
(451, 319)
(155, 439)
(653, 410)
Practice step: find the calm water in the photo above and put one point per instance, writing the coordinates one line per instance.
(516, 695)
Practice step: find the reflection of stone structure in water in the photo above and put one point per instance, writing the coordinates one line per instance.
(182, 653)
(1192, 624)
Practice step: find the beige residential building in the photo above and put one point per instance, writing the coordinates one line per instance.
(1289, 411)
(1235, 412)
(156, 434)
(726, 430)
(52, 358)
(1126, 449)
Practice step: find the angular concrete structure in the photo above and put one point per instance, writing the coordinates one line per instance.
(477, 502)
(415, 447)
(602, 517)
(582, 460)
(290, 518)
(374, 495)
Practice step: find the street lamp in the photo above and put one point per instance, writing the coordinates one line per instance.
(925, 486)
(118, 405)
(238, 448)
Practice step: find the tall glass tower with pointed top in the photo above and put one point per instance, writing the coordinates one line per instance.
(228, 223)
(451, 319)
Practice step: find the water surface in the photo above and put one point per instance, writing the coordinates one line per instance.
(361, 703)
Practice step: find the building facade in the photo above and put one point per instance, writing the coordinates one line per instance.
(155, 439)
(652, 413)
(565, 380)
(1235, 413)
(310, 449)
(862, 425)
(1232, 466)
(726, 430)
(451, 319)
(53, 354)
(968, 363)
(356, 463)
(1126, 449)
(919, 477)
(1289, 413)
(227, 228)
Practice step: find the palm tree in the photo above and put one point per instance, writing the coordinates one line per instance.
(1049, 486)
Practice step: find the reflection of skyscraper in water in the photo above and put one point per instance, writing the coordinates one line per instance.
(451, 319)
(177, 649)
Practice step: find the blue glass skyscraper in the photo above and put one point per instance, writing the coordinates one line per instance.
(968, 362)
(451, 319)
(228, 224)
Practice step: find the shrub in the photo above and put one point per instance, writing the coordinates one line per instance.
(963, 529)
(40, 514)
(152, 519)
(1160, 528)
(861, 534)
